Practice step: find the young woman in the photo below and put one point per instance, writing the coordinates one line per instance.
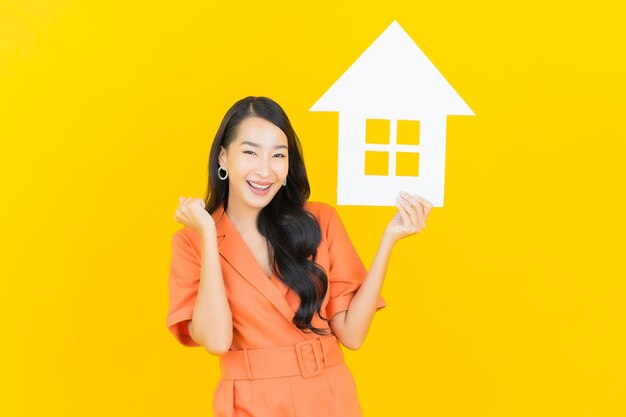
(271, 282)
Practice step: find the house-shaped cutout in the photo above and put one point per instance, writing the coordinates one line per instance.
(394, 82)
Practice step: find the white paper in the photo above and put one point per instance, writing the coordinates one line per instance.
(391, 80)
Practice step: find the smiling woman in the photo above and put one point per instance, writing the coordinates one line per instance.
(256, 160)
(271, 282)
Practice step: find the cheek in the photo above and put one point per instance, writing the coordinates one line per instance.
(282, 167)
(239, 167)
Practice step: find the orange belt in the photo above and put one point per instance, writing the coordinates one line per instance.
(307, 358)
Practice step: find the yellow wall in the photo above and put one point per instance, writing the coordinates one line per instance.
(510, 303)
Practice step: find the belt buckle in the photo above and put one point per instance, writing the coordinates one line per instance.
(316, 347)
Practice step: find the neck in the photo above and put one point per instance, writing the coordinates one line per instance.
(244, 218)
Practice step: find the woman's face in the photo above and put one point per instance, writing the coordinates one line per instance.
(257, 163)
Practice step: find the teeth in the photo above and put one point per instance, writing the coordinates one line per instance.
(258, 187)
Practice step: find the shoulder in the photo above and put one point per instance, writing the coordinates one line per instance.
(320, 210)
(325, 214)
(186, 238)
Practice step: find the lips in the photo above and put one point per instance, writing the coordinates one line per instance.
(259, 188)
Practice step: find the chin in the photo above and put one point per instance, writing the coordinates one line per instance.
(259, 201)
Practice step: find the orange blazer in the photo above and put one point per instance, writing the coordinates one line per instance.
(262, 309)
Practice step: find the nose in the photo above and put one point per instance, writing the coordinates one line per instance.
(263, 168)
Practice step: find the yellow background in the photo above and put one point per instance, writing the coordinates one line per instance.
(509, 303)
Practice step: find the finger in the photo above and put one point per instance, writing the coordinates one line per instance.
(408, 205)
(182, 205)
(417, 202)
(404, 214)
(420, 214)
(424, 202)
(417, 207)
(427, 204)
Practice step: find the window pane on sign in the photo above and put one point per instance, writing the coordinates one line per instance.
(377, 131)
(376, 163)
(407, 164)
(408, 132)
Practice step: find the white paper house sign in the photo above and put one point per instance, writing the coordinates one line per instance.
(394, 85)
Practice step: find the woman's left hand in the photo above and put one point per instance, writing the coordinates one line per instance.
(411, 217)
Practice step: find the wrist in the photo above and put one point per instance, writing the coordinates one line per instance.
(208, 232)
(388, 239)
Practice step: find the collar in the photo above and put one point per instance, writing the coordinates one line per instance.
(234, 251)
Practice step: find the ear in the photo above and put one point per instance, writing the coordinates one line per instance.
(221, 158)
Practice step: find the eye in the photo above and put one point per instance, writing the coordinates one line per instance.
(280, 155)
(249, 152)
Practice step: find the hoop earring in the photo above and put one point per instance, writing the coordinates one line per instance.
(219, 173)
(285, 182)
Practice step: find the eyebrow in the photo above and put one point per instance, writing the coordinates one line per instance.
(256, 145)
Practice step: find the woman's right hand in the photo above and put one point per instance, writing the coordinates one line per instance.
(191, 213)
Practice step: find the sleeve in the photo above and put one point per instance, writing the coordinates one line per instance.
(184, 282)
(346, 271)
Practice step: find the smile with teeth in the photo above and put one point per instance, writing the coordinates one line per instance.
(258, 186)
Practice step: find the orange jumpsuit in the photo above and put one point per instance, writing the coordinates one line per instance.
(262, 312)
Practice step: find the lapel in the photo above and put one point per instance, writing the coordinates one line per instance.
(234, 250)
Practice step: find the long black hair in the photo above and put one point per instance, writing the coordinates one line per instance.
(293, 233)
